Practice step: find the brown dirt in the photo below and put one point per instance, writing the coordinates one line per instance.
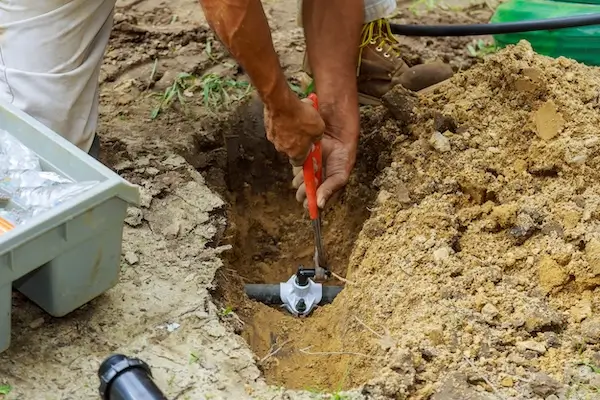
(489, 271)
(478, 261)
(271, 237)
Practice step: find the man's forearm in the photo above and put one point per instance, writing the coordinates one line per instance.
(242, 26)
(332, 30)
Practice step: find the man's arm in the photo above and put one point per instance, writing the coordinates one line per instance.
(332, 29)
(242, 26)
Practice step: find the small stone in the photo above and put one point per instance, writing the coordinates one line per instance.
(548, 121)
(174, 161)
(456, 387)
(131, 258)
(517, 320)
(436, 335)
(534, 74)
(595, 380)
(145, 197)
(134, 217)
(36, 323)
(571, 218)
(520, 165)
(552, 397)
(552, 339)
(551, 274)
(592, 255)
(578, 159)
(507, 382)
(442, 123)
(591, 142)
(441, 254)
(543, 385)
(489, 311)
(581, 310)
(402, 193)
(590, 330)
(123, 165)
(525, 85)
(553, 228)
(152, 171)
(504, 215)
(172, 230)
(542, 318)
(581, 374)
(401, 103)
(532, 345)
(440, 142)
(383, 197)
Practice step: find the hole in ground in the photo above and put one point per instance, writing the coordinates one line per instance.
(271, 236)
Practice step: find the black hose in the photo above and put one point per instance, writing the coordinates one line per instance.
(124, 378)
(269, 294)
(496, 28)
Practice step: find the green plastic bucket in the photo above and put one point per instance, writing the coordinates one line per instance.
(581, 44)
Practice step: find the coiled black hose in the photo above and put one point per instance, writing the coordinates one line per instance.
(496, 28)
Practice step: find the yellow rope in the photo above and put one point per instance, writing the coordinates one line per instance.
(378, 32)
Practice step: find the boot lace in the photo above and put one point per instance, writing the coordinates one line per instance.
(379, 33)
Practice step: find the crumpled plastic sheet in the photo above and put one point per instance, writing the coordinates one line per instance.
(25, 190)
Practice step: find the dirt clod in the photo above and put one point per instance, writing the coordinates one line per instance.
(544, 385)
(548, 121)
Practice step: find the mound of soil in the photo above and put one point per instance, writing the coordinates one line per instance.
(476, 275)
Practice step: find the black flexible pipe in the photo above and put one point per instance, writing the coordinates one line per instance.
(496, 28)
(269, 294)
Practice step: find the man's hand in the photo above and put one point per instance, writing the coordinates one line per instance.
(339, 144)
(293, 128)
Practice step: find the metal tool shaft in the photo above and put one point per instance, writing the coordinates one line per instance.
(320, 256)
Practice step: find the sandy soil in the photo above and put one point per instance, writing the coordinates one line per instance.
(211, 219)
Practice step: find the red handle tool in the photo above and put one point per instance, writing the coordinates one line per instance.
(313, 174)
(312, 170)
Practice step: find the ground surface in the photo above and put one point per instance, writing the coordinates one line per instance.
(482, 288)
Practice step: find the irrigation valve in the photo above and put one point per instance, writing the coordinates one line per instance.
(300, 294)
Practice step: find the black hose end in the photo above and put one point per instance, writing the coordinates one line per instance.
(113, 366)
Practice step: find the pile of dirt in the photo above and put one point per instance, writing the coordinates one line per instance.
(476, 274)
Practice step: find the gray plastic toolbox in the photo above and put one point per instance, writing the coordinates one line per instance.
(66, 257)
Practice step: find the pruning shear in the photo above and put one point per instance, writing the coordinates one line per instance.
(313, 174)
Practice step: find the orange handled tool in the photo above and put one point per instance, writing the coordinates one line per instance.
(313, 174)
(312, 171)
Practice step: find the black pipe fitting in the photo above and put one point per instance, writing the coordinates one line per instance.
(269, 293)
(303, 274)
(124, 378)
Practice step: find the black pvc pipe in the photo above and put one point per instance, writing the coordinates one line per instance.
(124, 378)
(496, 28)
(269, 294)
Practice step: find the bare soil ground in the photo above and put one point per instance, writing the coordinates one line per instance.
(470, 254)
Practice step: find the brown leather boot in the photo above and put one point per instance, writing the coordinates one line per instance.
(381, 68)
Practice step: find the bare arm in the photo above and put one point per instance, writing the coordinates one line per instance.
(242, 26)
(332, 30)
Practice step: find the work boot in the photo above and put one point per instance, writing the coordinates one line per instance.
(381, 67)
